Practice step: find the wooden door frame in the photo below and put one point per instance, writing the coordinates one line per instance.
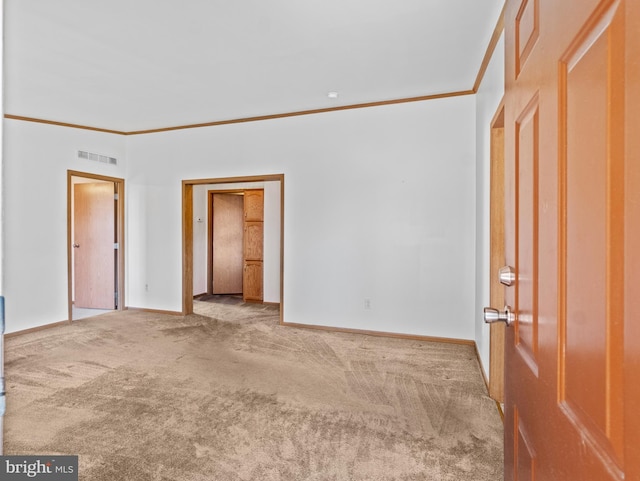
(120, 273)
(187, 232)
(497, 254)
(210, 194)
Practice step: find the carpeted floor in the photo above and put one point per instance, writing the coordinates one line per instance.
(228, 394)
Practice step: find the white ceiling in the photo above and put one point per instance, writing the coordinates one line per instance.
(141, 64)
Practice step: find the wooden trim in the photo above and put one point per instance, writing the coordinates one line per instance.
(282, 250)
(497, 122)
(236, 180)
(394, 335)
(209, 286)
(486, 382)
(63, 124)
(9, 335)
(187, 232)
(479, 358)
(497, 253)
(121, 245)
(88, 175)
(187, 248)
(155, 311)
(248, 119)
(69, 250)
(304, 112)
(497, 31)
(119, 189)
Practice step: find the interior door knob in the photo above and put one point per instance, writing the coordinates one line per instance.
(492, 315)
(75, 246)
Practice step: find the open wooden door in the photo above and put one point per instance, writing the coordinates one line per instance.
(572, 236)
(227, 224)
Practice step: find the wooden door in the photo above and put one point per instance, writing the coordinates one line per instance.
(253, 244)
(572, 233)
(227, 243)
(94, 256)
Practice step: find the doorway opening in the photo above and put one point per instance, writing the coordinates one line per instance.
(235, 243)
(95, 244)
(194, 211)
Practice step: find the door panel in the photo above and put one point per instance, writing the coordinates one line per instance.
(227, 234)
(524, 454)
(254, 205)
(253, 244)
(571, 231)
(527, 147)
(253, 241)
(93, 253)
(592, 203)
(253, 281)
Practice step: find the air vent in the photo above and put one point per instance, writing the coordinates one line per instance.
(105, 159)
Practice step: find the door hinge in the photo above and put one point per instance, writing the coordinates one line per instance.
(116, 245)
(115, 297)
(115, 196)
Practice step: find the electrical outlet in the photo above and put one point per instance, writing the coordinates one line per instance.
(367, 303)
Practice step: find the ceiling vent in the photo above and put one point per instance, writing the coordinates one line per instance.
(105, 159)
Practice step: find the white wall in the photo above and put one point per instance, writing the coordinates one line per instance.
(487, 100)
(379, 204)
(36, 160)
(271, 247)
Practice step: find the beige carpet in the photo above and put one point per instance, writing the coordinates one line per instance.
(227, 394)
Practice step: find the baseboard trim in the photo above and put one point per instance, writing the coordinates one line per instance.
(486, 381)
(395, 335)
(44, 327)
(484, 376)
(155, 311)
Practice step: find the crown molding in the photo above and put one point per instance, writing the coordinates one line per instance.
(62, 124)
(497, 32)
(306, 112)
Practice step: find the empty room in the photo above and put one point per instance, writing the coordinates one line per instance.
(355, 240)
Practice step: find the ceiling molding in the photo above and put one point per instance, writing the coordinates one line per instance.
(497, 32)
(62, 124)
(306, 112)
(247, 119)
